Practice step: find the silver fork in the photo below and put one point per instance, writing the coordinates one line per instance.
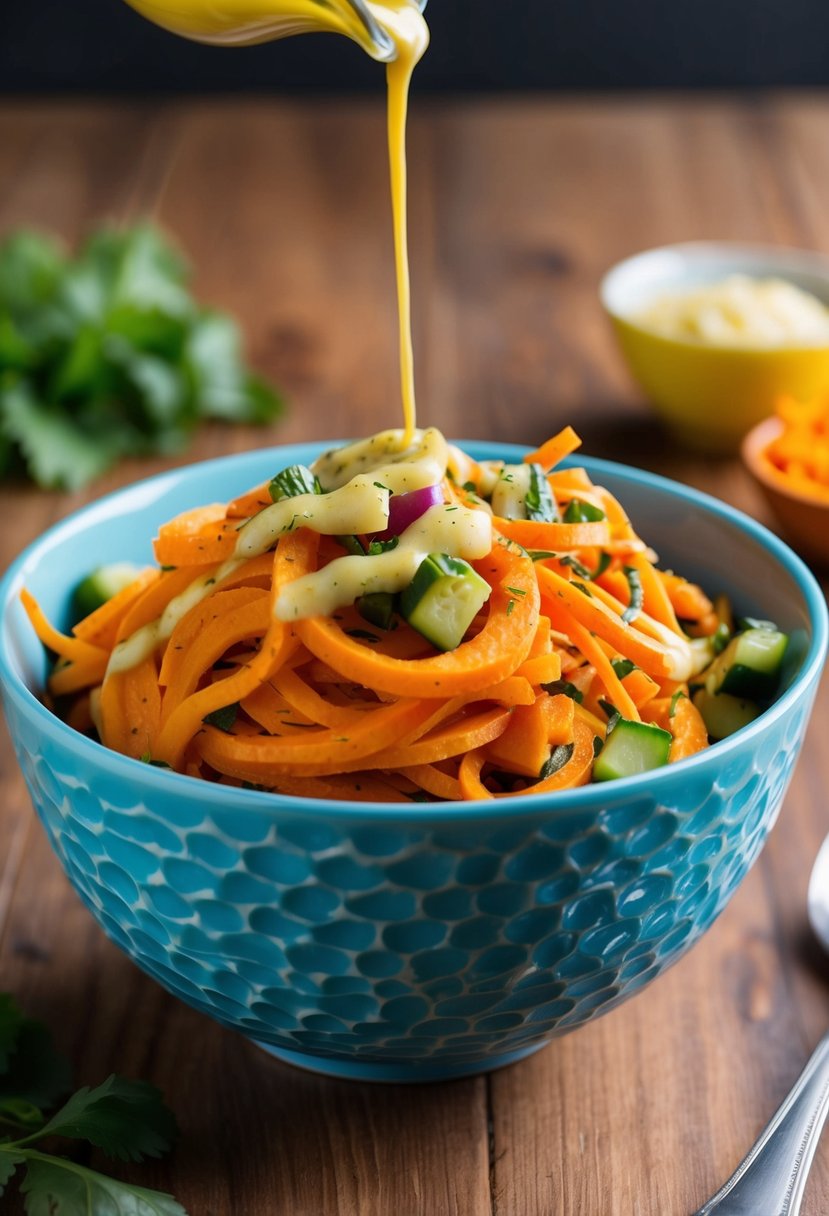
(771, 1179)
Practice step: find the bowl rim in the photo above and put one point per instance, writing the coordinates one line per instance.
(752, 450)
(163, 782)
(777, 257)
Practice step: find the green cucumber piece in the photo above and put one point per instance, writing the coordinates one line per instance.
(377, 608)
(749, 667)
(631, 748)
(509, 496)
(539, 504)
(724, 714)
(101, 585)
(443, 599)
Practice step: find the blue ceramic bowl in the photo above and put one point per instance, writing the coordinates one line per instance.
(428, 941)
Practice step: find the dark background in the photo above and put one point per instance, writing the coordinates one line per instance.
(101, 46)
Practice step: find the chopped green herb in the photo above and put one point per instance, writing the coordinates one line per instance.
(579, 512)
(583, 589)
(576, 566)
(613, 715)
(362, 635)
(540, 555)
(539, 503)
(622, 667)
(351, 544)
(224, 718)
(376, 547)
(558, 687)
(470, 487)
(674, 701)
(721, 638)
(637, 596)
(517, 590)
(293, 481)
(559, 756)
(510, 607)
(604, 561)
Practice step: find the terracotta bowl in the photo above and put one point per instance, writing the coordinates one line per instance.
(803, 517)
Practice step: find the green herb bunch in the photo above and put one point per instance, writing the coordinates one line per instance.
(127, 1119)
(106, 354)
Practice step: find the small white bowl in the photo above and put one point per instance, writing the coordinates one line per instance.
(711, 394)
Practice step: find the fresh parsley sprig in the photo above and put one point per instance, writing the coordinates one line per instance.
(126, 1119)
(105, 354)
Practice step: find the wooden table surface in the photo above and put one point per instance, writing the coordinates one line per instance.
(517, 209)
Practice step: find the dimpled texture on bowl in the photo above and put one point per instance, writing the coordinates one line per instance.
(424, 941)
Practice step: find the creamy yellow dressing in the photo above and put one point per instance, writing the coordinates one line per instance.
(740, 311)
(389, 459)
(458, 531)
(359, 507)
(399, 36)
(360, 479)
(141, 644)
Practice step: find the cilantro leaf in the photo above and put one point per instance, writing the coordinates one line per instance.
(11, 1020)
(56, 1187)
(56, 452)
(127, 1119)
(9, 1161)
(19, 1111)
(106, 354)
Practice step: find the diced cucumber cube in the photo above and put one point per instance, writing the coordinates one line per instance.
(377, 608)
(749, 667)
(101, 585)
(724, 714)
(509, 497)
(443, 599)
(631, 748)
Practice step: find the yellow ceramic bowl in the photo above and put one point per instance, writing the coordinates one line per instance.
(804, 518)
(710, 395)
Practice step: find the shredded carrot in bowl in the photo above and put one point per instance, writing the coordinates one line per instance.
(213, 665)
(799, 454)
